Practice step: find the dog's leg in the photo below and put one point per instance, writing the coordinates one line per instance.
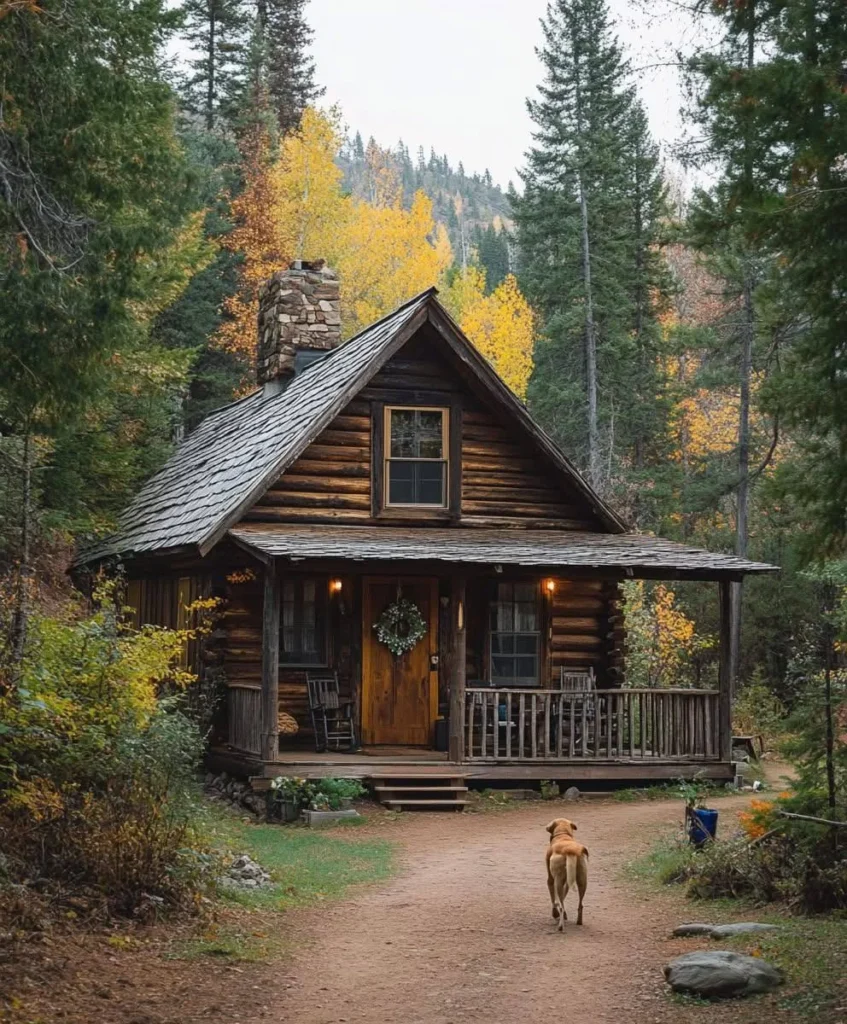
(551, 888)
(561, 892)
(582, 885)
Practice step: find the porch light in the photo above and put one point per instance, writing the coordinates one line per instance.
(550, 586)
(335, 586)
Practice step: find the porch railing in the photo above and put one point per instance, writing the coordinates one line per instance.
(599, 725)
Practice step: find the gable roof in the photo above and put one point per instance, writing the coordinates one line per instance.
(237, 452)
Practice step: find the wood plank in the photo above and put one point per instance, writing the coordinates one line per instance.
(295, 499)
(726, 682)
(337, 466)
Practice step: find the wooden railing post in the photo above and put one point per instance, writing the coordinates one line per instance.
(726, 683)
(270, 664)
(455, 651)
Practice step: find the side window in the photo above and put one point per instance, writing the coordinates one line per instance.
(515, 635)
(303, 625)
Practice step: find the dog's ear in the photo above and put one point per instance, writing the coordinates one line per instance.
(573, 826)
(552, 826)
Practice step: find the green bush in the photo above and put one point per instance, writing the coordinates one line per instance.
(315, 794)
(97, 770)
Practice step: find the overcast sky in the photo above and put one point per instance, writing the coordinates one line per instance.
(455, 74)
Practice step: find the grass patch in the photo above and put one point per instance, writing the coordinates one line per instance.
(665, 864)
(811, 951)
(307, 867)
(669, 791)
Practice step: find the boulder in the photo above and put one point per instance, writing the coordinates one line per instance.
(693, 929)
(723, 931)
(726, 931)
(721, 974)
(571, 793)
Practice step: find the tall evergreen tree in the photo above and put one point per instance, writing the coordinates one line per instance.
(579, 236)
(217, 31)
(291, 69)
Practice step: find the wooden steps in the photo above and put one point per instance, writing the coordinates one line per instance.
(420, 792)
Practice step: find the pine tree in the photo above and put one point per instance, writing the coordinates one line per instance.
(577, 236)
(217, 31)
(291, 70)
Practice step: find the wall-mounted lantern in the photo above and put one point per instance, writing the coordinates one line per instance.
(550, 587)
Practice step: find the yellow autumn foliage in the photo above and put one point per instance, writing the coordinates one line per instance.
(294, 207)
(501, 325)
(661, 639)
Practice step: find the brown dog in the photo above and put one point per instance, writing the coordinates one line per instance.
(567, 866)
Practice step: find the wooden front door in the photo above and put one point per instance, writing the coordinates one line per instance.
(399, 694)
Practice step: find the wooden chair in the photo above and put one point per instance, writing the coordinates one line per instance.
(332, 717)
(581, 688)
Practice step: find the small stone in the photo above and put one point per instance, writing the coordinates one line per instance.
(571, 793)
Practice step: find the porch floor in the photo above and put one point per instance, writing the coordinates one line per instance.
(410, 761)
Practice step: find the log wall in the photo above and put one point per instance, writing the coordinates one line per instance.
(505, 480)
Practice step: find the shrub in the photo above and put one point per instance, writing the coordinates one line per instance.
(316, 794)
(96, 768)
(757, 711)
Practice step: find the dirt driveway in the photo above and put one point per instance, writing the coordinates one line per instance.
(464, 933)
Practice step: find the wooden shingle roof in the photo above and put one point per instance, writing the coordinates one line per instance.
(632, 554)
(237, 451)
(235, 454)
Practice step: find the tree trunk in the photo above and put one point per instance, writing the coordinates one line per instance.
(590, 347)
(748, 328)
(20, 613)
(210, 82)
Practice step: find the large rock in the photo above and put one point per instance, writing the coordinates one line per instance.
(693, 929)
(721, 974)
(722, 931)
(726, 931)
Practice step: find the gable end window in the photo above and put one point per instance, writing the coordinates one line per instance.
(303, 622)
(515, 635)
(416, 459)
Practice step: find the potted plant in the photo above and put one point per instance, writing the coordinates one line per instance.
(287, 796)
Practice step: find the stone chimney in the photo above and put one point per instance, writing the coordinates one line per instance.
(299, 313)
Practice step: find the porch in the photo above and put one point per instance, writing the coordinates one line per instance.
(521, 662)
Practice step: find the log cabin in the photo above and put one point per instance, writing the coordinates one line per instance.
(394, 471)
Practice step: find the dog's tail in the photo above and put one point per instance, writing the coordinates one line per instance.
(570, 869)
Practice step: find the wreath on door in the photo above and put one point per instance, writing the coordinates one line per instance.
(401, 626)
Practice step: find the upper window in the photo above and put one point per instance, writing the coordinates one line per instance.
(303, 632)
(416, 457)
(515, 635)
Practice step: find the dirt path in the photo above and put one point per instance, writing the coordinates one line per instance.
(464, 933)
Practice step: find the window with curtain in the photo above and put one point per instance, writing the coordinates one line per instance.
(303, 626)
(515, 635)
(416, 457)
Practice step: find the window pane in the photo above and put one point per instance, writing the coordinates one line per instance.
(429, 435)
(430, 483)
(309, 643)
(503, 643)
(289, 641)
(403, 434)
(526, 617)
(502, 668)
(401, 483)
(526, 644)
(525, 592)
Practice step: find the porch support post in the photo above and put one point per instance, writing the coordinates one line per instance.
(270, 663)
(726, 670)
(455, 651)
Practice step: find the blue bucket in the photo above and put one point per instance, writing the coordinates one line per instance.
(703, 827)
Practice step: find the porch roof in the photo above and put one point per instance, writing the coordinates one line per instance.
(629, 554)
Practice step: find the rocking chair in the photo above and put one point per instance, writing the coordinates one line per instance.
(332, 717)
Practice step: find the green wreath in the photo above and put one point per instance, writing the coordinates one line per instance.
(400, 626)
